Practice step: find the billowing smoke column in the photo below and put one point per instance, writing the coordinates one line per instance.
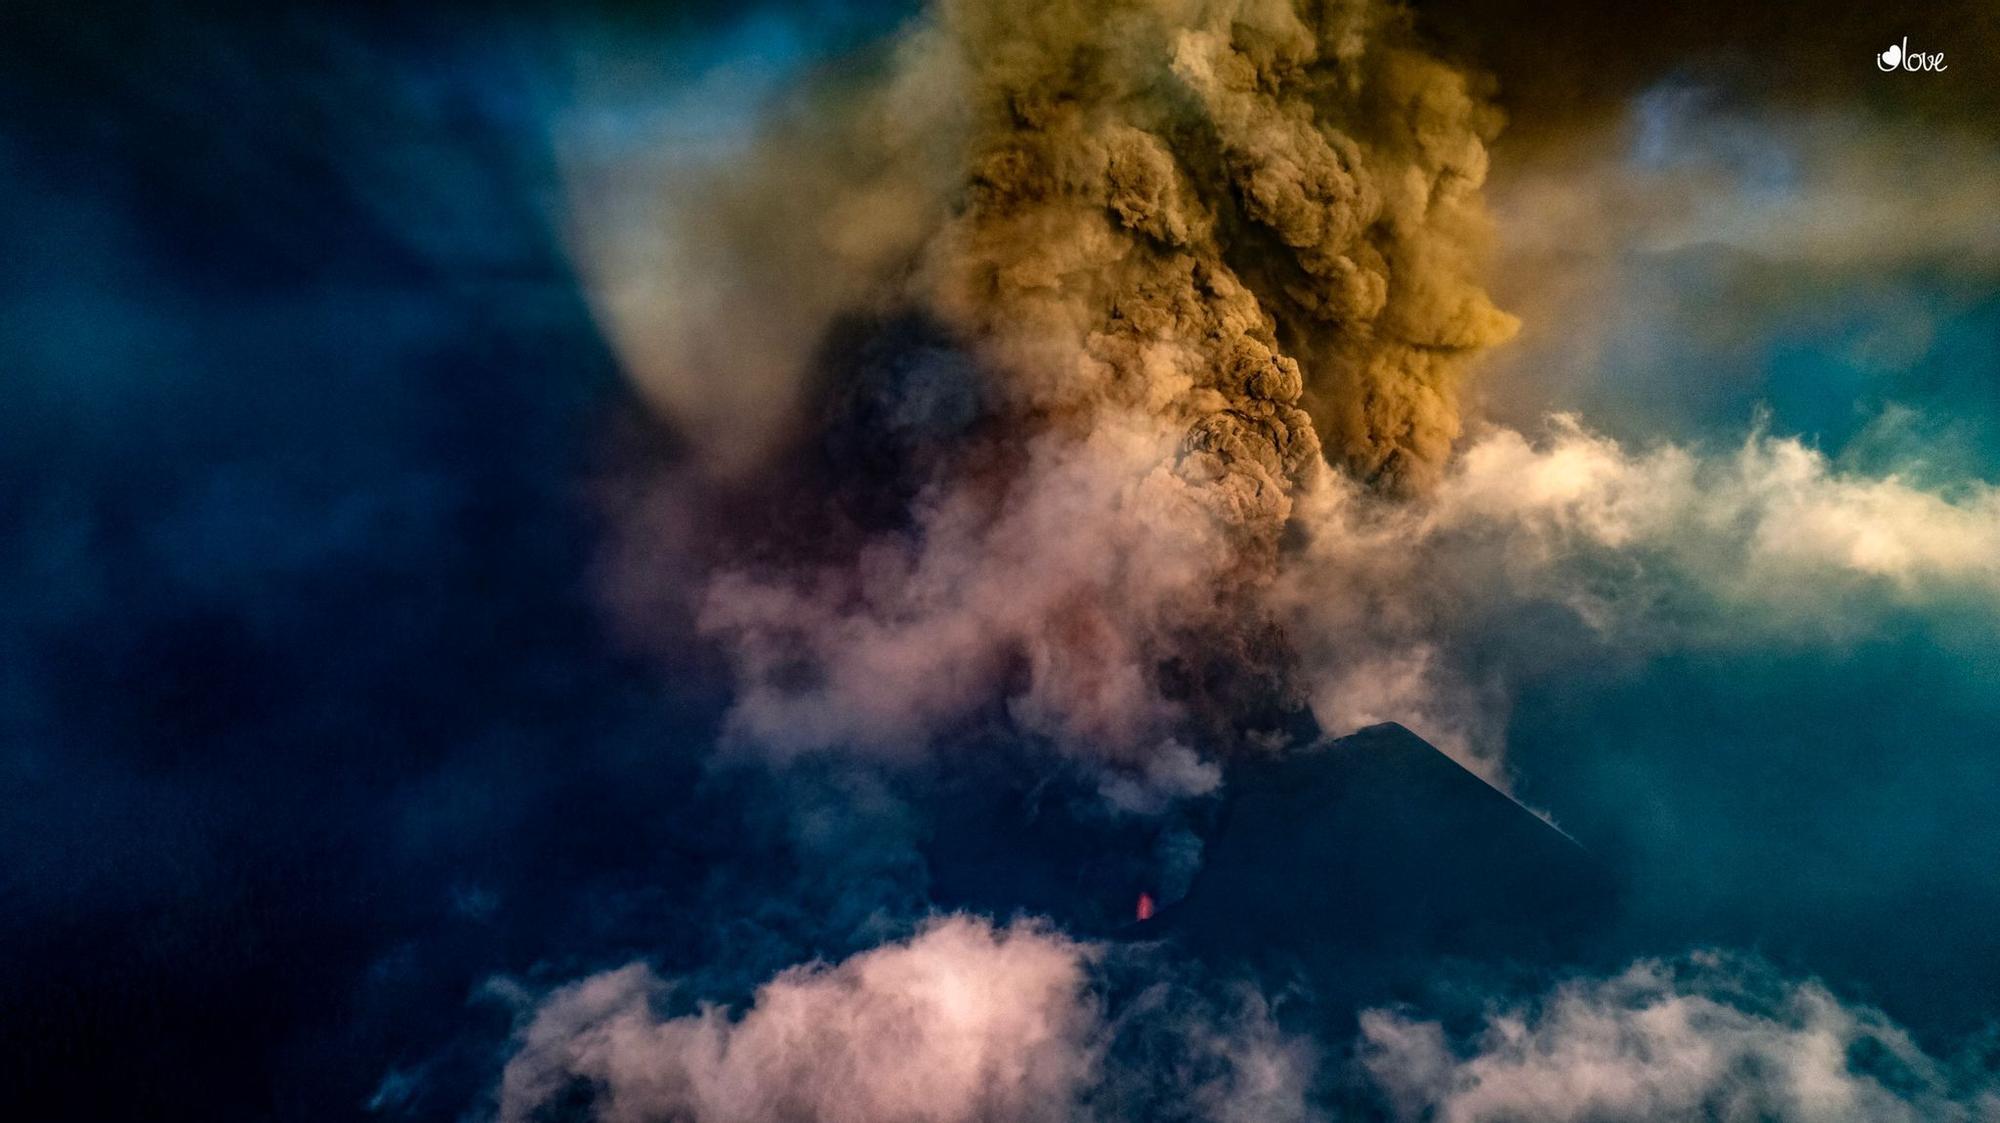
(1222, 215)
(1157, 314)
(1184, 256)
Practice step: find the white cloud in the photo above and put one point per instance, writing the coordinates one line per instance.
(1774, 509)
(962, 1022)
(1707, 1039)
(1539, 553)
(1067, 587)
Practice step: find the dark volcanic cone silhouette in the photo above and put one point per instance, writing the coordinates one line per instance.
(1377, 847)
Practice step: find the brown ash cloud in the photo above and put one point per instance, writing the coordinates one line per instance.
(1176, 263)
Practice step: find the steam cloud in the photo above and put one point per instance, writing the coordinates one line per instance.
(965, 1021)
(1705, 1039)
(1608, 550)
(961, 1022)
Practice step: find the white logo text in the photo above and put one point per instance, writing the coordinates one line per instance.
(1900, 57)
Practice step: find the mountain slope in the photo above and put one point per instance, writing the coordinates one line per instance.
(1378, 846)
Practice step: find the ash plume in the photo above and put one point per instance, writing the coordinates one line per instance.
(1177, 261)
(1219, 216)
(1222, 214)
(1140, 331)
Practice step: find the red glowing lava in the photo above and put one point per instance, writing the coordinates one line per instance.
(1145, 906)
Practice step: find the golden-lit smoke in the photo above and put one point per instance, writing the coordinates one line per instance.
(1257, 220)
(1217, 213)
(1198, 255)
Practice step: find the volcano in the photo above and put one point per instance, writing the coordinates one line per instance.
(1377, 847)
